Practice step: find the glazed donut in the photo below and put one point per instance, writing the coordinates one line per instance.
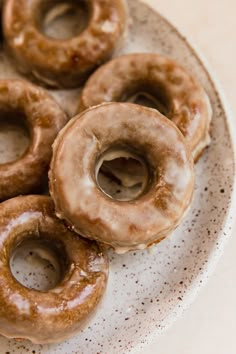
(43, 117)
(62, 63)
(185, 101)
(59, 313)
(78, 153)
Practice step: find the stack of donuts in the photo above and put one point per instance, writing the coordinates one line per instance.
(121, 174)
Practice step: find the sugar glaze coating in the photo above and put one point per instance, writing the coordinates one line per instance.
(59, 313)
(62, 63)
(186, 102)
(127, 225)
(34, 107)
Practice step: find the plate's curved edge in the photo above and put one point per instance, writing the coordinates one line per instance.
(227, 228)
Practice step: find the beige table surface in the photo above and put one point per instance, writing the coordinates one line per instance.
(209, 325)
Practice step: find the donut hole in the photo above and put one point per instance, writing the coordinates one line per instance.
(148, 100)
(14, 136)
(122, 175)
(148, 95)
(38, 264)
(63, 19)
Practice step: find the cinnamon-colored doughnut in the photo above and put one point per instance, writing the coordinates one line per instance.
(32, 106)
(59, 313)
(124, 225)
(185, 101)
(62, 63)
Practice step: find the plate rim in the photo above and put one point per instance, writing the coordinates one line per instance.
(226, 232)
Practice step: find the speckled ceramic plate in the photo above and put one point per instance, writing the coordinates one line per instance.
(148, 290)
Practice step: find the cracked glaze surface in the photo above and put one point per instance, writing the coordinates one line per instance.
(62, 63)
(57, 314)
(34, 107)
(122, 225)
(186, 102)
